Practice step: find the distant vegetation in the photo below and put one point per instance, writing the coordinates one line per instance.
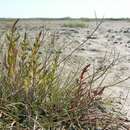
(67, 18)
(75, 24)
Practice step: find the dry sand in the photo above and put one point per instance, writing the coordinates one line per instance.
(112, 37)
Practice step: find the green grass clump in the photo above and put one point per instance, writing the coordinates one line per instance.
(75, 24)
(32, 96)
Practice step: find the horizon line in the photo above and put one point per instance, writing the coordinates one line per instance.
(64, 18)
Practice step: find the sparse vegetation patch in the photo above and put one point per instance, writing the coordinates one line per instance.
(33, 96)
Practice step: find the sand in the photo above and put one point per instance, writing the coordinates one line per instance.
(111, 40)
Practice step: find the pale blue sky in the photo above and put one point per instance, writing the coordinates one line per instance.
(64, 8)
